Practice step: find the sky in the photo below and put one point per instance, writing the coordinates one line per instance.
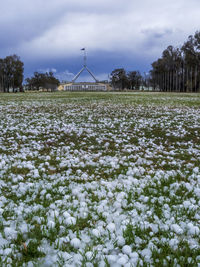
(48, 35)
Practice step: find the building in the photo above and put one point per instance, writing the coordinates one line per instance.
(86, 86)
(61, 87)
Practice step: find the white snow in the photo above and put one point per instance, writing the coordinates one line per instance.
(75, 242)
(126, 250)
(70, 221)
(113, 180)
(111, 227)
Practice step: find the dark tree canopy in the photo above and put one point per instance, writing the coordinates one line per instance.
(178, 69)
(11, 73)
(41, 80)
(191, 50)
(134, 79)
(121, 79)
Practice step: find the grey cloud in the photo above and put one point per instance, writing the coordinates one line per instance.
(65, 75)
(23, 21)
(57, 29)
(156, 32)
(47, 70)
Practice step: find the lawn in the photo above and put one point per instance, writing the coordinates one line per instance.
(99, 179)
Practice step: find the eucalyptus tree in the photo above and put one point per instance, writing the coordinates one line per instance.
(167, 70)
(41, 80)
(119, 78)
(191, 51)
(11, 73)
(134, 79)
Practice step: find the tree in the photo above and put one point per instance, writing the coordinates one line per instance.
(178, 69)
(190, 49)
(11, 72)
(119, 78)
(41, 80)
(134, 79)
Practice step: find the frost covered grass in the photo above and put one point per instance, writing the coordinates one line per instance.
(100, 179)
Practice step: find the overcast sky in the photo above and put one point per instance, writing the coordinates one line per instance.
(48, 35)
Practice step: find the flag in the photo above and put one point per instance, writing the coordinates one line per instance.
(82, 48)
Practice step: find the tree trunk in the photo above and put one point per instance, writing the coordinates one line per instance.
(195, 79)
(176, 81)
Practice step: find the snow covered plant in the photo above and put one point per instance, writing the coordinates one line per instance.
(100, 179)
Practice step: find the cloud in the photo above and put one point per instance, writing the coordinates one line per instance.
(47, 70)
(65, 75)
(55, 30)
(129, 29)
(156, 32)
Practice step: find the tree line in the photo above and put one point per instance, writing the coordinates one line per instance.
(178, 70)
(12, 75)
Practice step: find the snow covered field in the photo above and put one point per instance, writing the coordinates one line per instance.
(96, 179)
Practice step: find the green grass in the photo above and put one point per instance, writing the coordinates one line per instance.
(126, 158)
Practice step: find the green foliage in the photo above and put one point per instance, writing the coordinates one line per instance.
(11, 73)
(177, 69)
(45, 80)
(128, 234)
(149, 164)
(134, 79)
(31, 251)
(120, 79)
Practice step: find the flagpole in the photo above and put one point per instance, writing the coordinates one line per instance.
(84, 68)
(84, 59)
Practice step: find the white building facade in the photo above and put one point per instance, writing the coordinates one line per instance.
(85, 87)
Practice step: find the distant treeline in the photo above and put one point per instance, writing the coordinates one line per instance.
(12, 75)
(44, 80)
(178, 70)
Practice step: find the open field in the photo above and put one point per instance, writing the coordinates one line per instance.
(99, 179)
